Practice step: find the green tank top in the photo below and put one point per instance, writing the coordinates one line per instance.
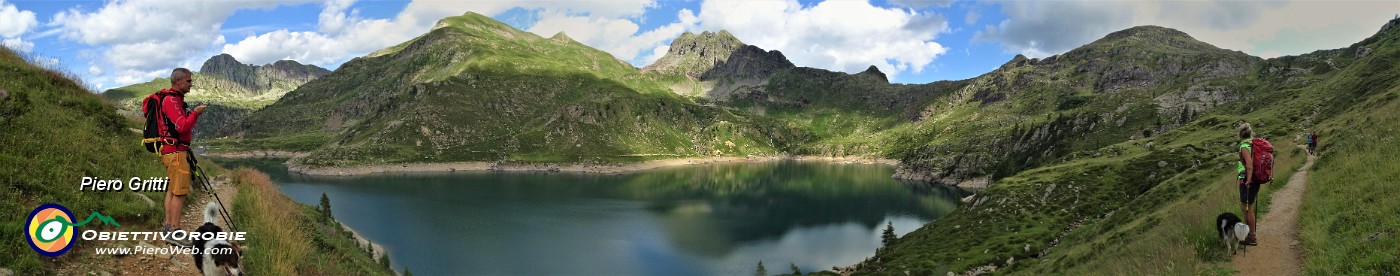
(1244, 144)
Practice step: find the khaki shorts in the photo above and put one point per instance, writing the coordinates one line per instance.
(177, 166)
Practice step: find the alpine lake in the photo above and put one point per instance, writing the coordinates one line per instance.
(711, 219)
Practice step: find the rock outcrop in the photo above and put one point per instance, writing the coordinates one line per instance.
(725, 64)
(258, 77)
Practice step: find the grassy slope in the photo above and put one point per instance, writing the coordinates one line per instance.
(1120, 219)
(1349, 217)
(43, 163)
(293, 239)
(54, 133)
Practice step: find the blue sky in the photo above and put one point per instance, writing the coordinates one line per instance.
(115, 43)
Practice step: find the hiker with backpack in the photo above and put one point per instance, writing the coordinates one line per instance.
(1312, 143)
(168, 132)
(1256, 163)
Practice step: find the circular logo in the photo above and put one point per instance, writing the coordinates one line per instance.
(50, 229)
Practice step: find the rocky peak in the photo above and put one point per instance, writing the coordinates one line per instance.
(874, 71)
(225, 65)
(706, 45)
(710, 55)
(294, 69)
(254, 77)
(1018, 61)
(1392, 25)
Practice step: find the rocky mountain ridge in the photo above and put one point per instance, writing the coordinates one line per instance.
(258, 77)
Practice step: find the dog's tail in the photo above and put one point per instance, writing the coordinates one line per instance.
(211, 212)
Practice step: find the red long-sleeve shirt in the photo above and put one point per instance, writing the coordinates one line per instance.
(173, 107)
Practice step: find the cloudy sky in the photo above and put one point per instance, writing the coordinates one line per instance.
(115, 43)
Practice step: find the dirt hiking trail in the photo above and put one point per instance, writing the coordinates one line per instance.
(1279, 251)
(179, 264)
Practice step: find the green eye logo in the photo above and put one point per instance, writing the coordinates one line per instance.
(50, 229)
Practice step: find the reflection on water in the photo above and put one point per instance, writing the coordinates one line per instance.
(705, 219)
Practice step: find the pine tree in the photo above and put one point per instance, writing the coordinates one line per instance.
(326, 206)
(888, 236)
(406, 272)
(761, 270)
(795, 271)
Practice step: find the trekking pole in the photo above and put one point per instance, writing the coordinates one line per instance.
(198, 172)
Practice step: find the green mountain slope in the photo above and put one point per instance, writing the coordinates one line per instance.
(476, 89)
(1131, 84)
(1146, 205)
(55, 133)
(230, 88)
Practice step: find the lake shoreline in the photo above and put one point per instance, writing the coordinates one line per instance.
(617, 168)
(255, 154)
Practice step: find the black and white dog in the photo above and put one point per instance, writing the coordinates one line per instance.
(1232, 231)
(216, 256)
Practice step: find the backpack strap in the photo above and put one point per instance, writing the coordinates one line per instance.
(169, 125)
(1244, 144)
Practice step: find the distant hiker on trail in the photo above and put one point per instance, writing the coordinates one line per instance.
(1248, 189)
(1312, 143)
(175, 125)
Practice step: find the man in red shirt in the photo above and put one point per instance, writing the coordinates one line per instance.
(175, 152)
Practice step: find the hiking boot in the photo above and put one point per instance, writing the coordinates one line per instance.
(176, 242)
(1250, 241)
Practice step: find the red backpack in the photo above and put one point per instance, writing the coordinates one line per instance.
(1263, 160)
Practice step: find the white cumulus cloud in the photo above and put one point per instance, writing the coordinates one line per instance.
(845, 36)
(138, 37)
(18, 44)
(317, 48)
(14, 22)
(656, 53)
(616, 36)
(138, 76)
(342, 34)
(1266, 28)
(1042, 28)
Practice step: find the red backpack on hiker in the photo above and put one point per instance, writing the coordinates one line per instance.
(1263, 160)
